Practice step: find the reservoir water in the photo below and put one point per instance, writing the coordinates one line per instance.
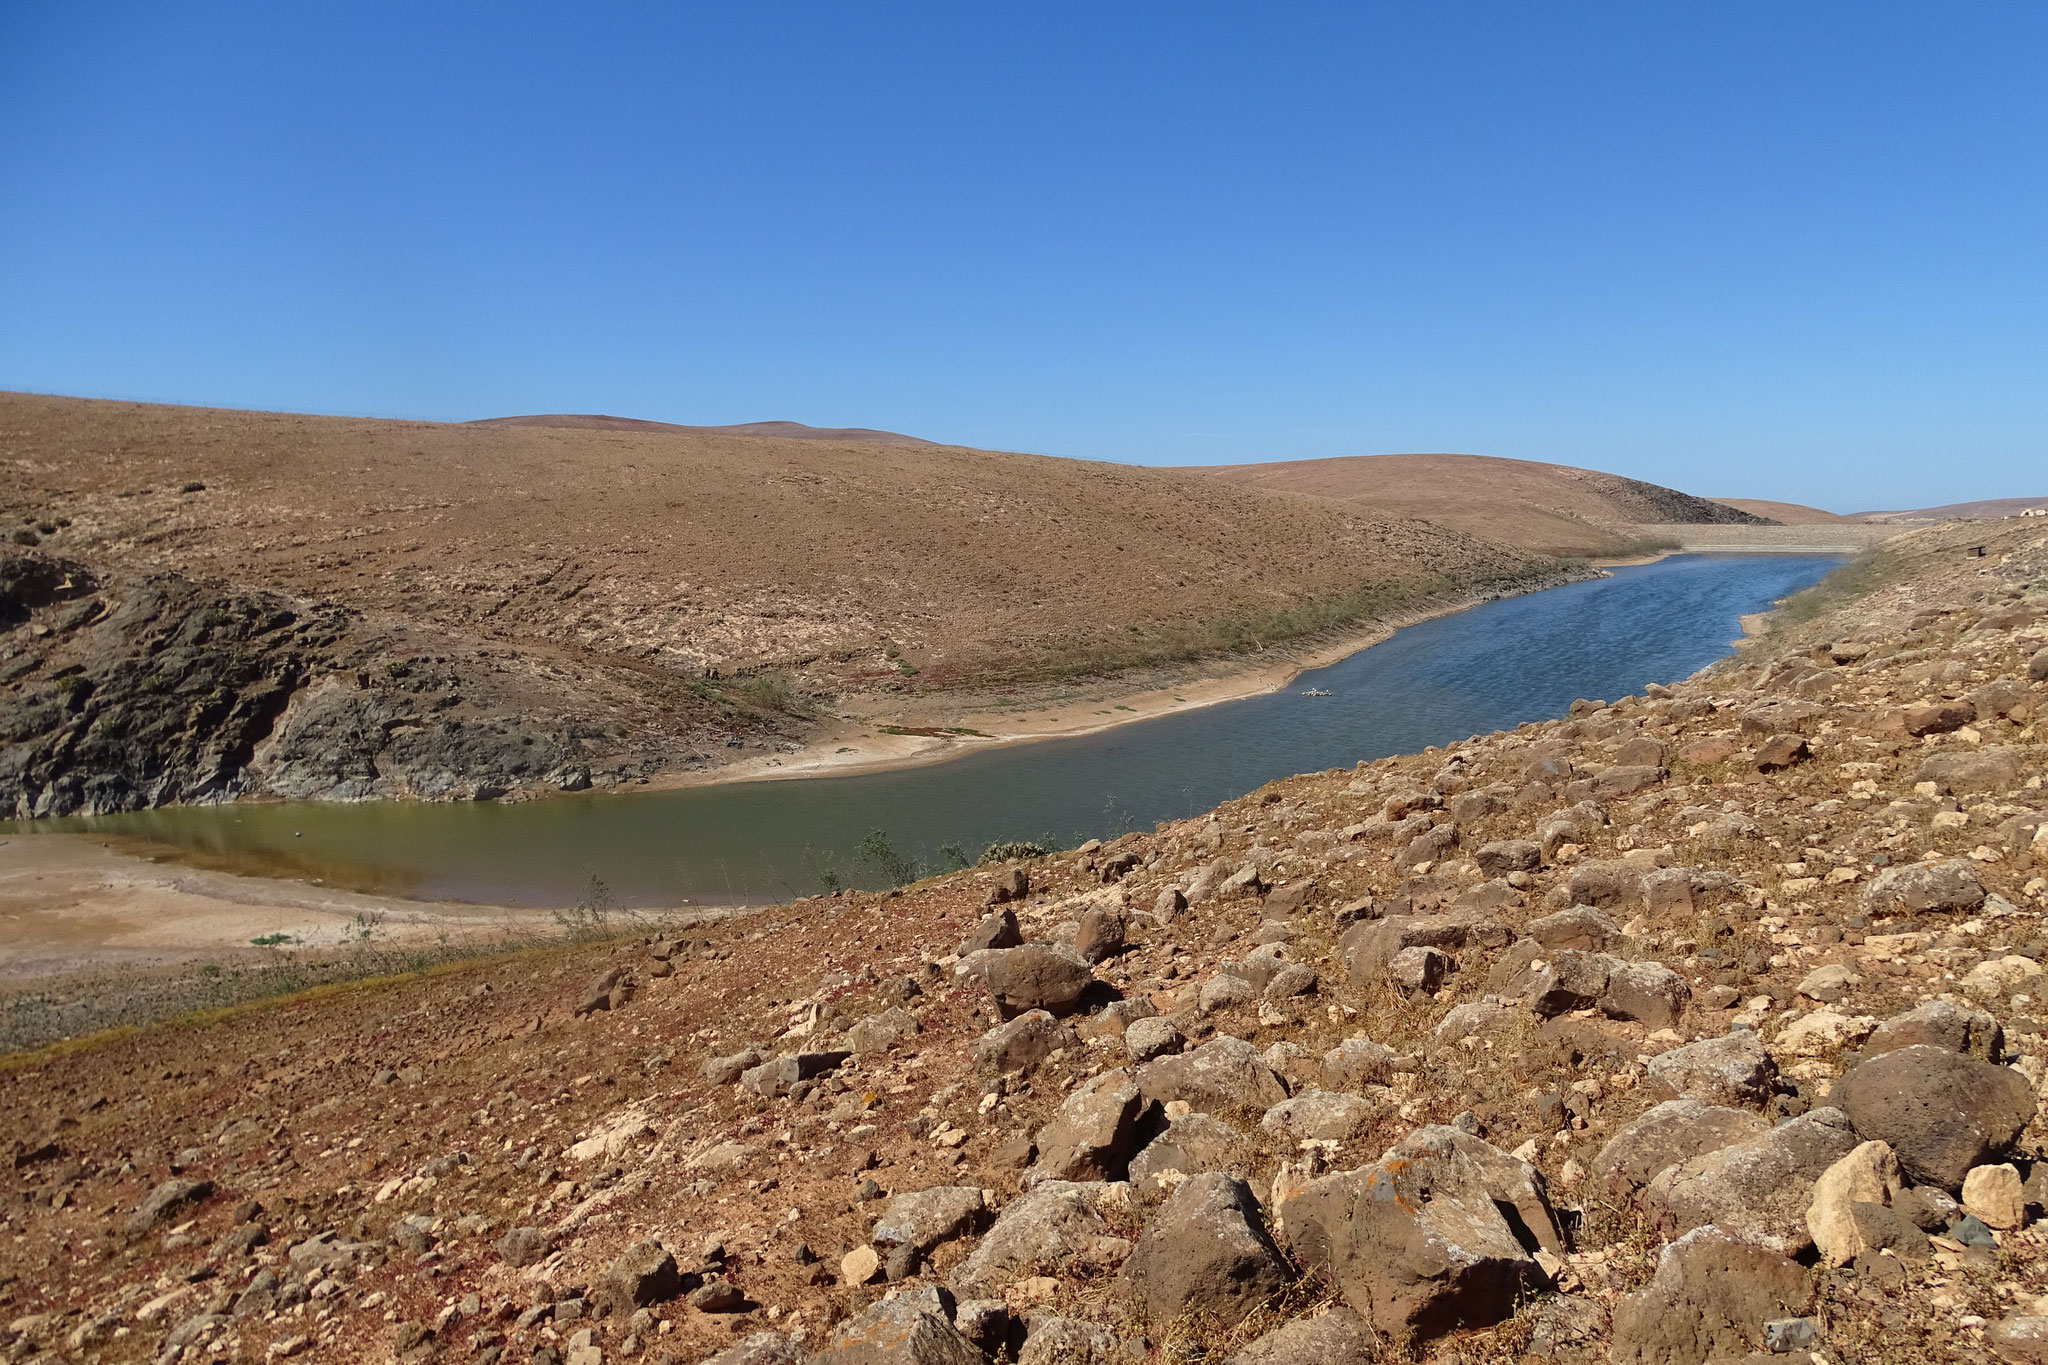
(1489, 668)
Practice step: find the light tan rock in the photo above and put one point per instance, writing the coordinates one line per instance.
(1995, 1196)
(1868, 1175)
(860, 1266)
(2000, 977)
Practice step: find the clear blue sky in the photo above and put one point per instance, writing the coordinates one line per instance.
(1779, 250)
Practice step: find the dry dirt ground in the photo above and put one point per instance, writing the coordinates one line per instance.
(1546, 508)
(1627, 995)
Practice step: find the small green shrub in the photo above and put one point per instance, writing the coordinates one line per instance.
(1009, 852)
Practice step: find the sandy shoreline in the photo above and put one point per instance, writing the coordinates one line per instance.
(69, 902)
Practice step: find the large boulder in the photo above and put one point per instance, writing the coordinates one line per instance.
(1503, 856)
(997, 930)
(911, 1329)
(1368, 947)
(1221, 1075)
(1671, 1132)
(1051, 1339)
(1646, 992)
(1190, 1145)
(729, 1068)
(1206, 1251)
(166, 1200)
(1919, 888)
(1419, 1242)
(1327, 1115)
(928, 1218)
(1336, 1337)
(762, 1348)
(780, 1075)
(1579, 926)
(1023, 1042)
(1709, 1300)
(1994, 768)
(1092, 1133)
(1607, 885)
(1941, 1111)
(1734, 1069)
(1356, 1063)
(1037, 976)
(641, 1275)
(1759, 1189)
(1042, 1233)
(879, 1031)
(1940, 1023)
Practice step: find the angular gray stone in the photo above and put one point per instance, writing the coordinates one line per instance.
(1647, 992)
(1669, 1133)
(762, 1348)
(1418, 970)
(1054, 1340)
(929, 1218)
(1037, 976)
(1092, 1132)
(1920, 888)
(524, 1246)
(1224, 1073)
(1024, 1042)
(1758, 1189)
(1206, 1251)
(1191, 1145)
(1418, 1242)
(1735, 1070)
(1045, 1231)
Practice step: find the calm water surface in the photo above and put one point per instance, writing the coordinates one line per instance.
(1490, 668)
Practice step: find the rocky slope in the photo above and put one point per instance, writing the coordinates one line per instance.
(617, 602)
(1701, 1025)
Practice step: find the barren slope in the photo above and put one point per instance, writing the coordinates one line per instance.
(1784, 513)
(613, 581)
(1590, 985)
(590, 421)
(1985, 509)
(1547, 508)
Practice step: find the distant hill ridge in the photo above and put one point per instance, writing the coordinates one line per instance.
(1959, 511)
(593, 421)
(1549, 508)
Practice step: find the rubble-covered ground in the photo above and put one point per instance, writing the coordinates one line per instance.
(1700, 1025)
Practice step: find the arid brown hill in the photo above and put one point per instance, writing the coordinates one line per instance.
(1547, 508)
(591, 421)
(1785, 513)
(593, 595)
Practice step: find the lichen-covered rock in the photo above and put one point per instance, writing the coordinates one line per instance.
(1326, 1115)
(1417, 1242)
(1223, 1074)
(1044, 1232)
(1023, 1042)
(1190, 1145)
(1758, 1189)
(912, 1329)
(1669, 1133)
(1205, 1251)
(1734, 1070)
(1709, 1299)
(1921, 888)
(928, 1218)
(1091, 1134)
(1037, 976)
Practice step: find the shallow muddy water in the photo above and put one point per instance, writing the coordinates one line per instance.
(1489, 668)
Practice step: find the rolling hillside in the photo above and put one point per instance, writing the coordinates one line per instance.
(1543, 508)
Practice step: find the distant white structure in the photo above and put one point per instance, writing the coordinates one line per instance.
(2034, 512)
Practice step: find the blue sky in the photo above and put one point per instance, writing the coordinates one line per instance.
(1745, 249)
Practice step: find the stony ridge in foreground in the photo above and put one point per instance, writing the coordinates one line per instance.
(1697, 1025)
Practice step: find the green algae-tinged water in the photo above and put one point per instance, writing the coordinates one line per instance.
(1489, 668)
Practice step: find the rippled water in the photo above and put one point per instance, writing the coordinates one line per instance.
(1489, 668)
